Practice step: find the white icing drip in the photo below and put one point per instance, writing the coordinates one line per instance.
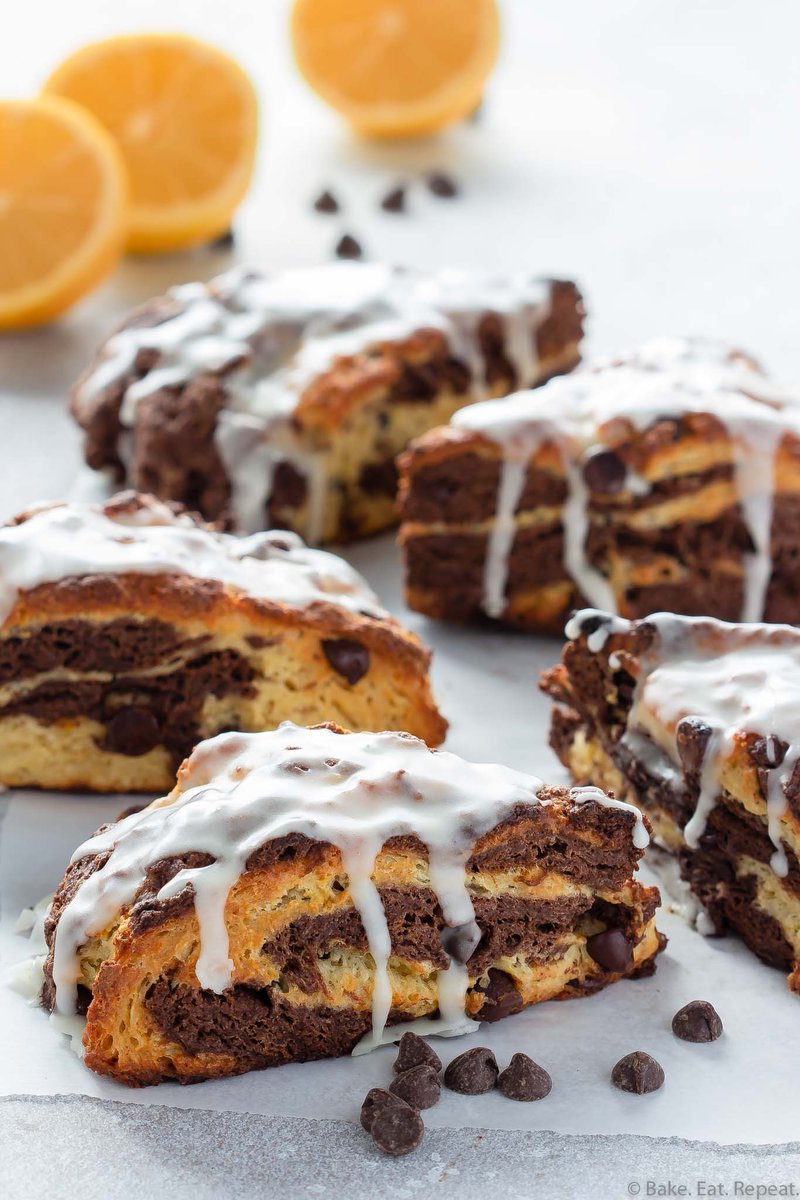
(271, 336)
(79, 539)
(501, 537)
(737, 680)
(354, 791)
(597, 407)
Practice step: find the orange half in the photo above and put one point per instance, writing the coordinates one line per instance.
(397, 68)
(63, 194)
(184, 116)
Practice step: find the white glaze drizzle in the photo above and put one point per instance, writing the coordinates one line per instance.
(354, 791)
(272, 335)
(735, 679)
(69, 540)
(585, 411)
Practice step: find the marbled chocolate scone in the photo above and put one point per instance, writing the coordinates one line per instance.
(698, 722)
(668, 478)
(282, 400)
(130, 631)
(306, 892)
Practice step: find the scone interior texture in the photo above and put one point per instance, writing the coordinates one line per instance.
(306, 892)
(698, 722)
(283, 399)
(130, 631)
(666, 478)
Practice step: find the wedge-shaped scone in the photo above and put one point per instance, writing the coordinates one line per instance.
(304, 892)
(668, 478)
(697, 722)
(283, 399)
(131, 631)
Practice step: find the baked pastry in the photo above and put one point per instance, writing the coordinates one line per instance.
(305, 892)
(668, 478)
(131, 631)
(281, 400)
(697, 722)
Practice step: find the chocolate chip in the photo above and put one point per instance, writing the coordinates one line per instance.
(394, 201)
(419, 1086)
(501, 997)
(472, 1073)
(639, 1073)
(348, 658)
(326, 202)
(769, 751)
(414, 1051)
(604, 472)
(397, 1131)
(611, 950)
(128, 812)
(348, 247)
(442, 185)
(460, 942)
(697, 1021)
(132, 731)
(225, 241)
(523, 1079)
(376, 1101)
(691, 739)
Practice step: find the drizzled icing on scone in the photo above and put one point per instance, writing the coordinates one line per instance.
(597, 408)
(134, 534)
(712, 683)
(353, 791)
(268, 337)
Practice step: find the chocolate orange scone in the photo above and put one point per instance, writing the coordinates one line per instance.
(130, 631)
(698, 723)
(668, 478)
(282, 400)
(304, 893)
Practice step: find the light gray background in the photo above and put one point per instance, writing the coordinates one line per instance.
(648, 149)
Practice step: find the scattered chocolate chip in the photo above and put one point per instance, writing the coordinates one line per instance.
(639, 1073)
(132, 731)
(375, 1101)
(326, 202)
(769, 751)
(501, 997)
(691, 739)
(604, 472)
(414, 1051)
(442, 185)
(397, 1130)
(523, 1079)
(225, 241)
(472, 1073)
(348, 247)
(460, 942)
(611, 950)
(697, 1021)
(419, 1086)
(394, 201)
(128, 812)
(348, 658)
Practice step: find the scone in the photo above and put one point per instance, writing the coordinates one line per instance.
(282, 400)
(306, 892)
(131, 631)
(668, 478)
(697, 722)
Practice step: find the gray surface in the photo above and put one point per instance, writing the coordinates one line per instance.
(210, 1155)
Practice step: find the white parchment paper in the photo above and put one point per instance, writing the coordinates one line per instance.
(743, 1088)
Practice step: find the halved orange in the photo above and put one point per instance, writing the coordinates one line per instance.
(184, 116)
(397, 68)
(63, 195)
